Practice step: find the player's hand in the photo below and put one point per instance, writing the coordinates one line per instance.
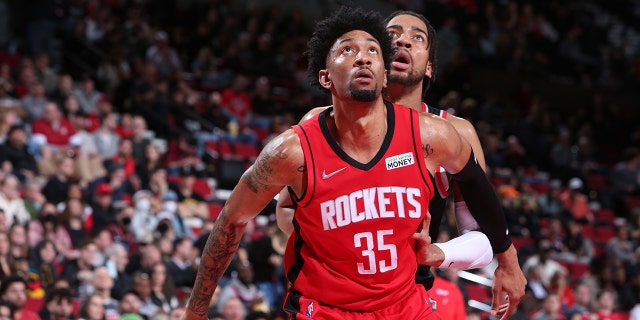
(423, 240)
(510, 280)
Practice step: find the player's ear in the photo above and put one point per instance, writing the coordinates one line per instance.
(384, 81)
(324, 78)
(428, 72)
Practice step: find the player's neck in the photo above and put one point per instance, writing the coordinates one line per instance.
(410, 96)
(359, 128)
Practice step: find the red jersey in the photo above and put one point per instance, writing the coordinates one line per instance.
(352, 245)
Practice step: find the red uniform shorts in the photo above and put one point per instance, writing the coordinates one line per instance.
(416, 306)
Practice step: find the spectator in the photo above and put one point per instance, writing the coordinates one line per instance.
(551, 309)
(7, 310)
(63, 90)
(449, 299)
(124, 157)
(242, 287)
(163, 57)
(102, 206)
(117, 260)
(35, 102)
(145, 221)
(102, 283)
(233, 309)
(577, 247)
(163, 292)
(548, 266)
(58, 305)
(79, 272)
(121, 229)
(92, 308)
(152, 161)
(14, 290)
(45, 74)
(582, 303)
(6, 267)
(56, 189)
(576, 202)
(106, 138)
(16, 152)
(181, 265)
(43, 268)
(103, 240)
(130, 303)
(53, 125)
(72, 219)
(142, 286)
(620, 247)
(10, 201)
(19, 249)
(33, 198)
(87, 95)
(140, 139)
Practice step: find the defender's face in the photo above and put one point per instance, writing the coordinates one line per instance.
(355, 67)
(411, 59)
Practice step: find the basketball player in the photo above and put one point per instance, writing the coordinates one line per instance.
(352, 254)
(414, 60)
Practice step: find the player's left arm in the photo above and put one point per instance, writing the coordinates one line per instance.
(472, 184)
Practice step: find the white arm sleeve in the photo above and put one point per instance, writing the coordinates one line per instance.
(468, 251)
(464, 219)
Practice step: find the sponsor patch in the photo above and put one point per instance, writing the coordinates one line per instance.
(399, 161)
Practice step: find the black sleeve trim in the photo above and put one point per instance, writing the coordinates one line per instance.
(484, 204)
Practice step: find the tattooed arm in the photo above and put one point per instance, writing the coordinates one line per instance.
(275, 168)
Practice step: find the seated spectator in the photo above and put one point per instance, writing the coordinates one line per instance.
(145, 220)
(544, 260)
(561, 284)
(140, 139)
(105, 137)
(14, 290)
(33, 197)
(169, 213)
(19, 249)
(101, 284)
(121, 229)
(79, 272)
(34, 103)
(117, 260)
(551, 309)
(17, 155)
(57, 187)
(124, 157)
(152, 160)
(181, 265)
(577, 247)
(72, 219)
(130, 303)
(576, 202)
(58, 305)
(54, 126)
(102, 207)
(6, 265)
(620, 247)
(47, 227)
(87, 95)
(605, 306)
(92, 308)
(43, 268)
(233, 309)
(582, 303)
(7, 310)
(241, 286)
(10, 201)
(163, 292)
(142, 286)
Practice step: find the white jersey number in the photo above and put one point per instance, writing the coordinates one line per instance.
(366, 240)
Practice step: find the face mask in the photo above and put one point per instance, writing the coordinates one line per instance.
(143, 205)
(170, 206)
(126, 221)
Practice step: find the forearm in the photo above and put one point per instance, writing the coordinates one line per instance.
(468, 251)
(218, 252)
(484, 205)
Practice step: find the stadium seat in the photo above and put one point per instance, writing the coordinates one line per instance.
(478, 292)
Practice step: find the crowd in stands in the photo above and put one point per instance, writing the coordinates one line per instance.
(122, 121)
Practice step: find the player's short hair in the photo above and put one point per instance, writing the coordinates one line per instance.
(344, 20)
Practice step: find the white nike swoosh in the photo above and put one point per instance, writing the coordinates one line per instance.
(329, 175)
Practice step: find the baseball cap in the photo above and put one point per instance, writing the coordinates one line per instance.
(104, 188)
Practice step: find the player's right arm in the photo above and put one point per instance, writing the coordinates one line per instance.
(277, 166)
(285, 206)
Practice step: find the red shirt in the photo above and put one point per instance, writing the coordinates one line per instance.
(450, 303)
(353, 249)
(237, 104)
(59, 135)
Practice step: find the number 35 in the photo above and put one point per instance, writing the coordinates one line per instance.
(366, 240)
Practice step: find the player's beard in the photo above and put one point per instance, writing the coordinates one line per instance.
(364, 95)
(410, 79)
